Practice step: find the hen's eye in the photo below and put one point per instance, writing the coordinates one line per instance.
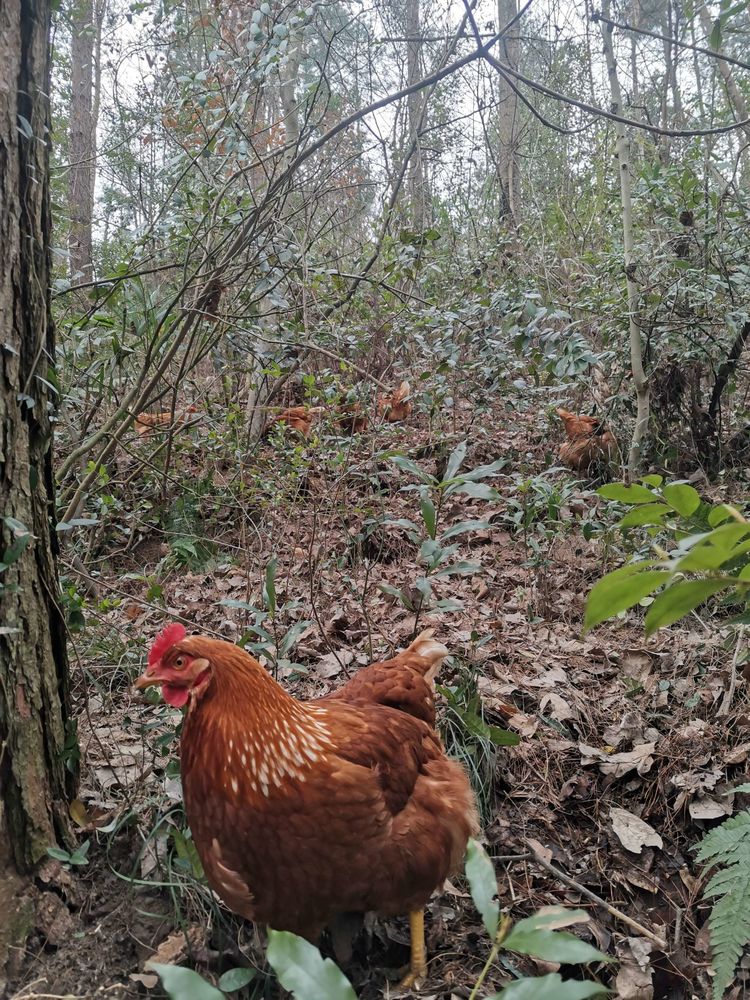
(180, 661)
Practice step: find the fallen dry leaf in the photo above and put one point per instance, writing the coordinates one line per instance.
(557, 707)
(635, 975)
(709, 808)
(175, 948)
(639, 759)
(633, 833)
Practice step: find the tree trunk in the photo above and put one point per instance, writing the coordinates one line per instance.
(507, 117)
(34, 782)
(640, 382)
(414, 105)
(82, 141)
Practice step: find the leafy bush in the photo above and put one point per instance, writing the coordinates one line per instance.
(710, 553)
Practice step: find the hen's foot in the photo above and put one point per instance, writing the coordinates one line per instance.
(413, 979)
(418, 966)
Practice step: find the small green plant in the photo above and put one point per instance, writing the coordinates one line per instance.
(302, 970)
(538, 936)
(435, 554)
(80, 856)
(185, 984)
(264, 635)
(469, 738)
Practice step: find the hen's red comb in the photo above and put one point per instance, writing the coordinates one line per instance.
(165, 640)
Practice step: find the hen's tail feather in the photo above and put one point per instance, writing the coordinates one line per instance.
(429, 650)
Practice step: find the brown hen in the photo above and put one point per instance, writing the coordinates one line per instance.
(301, 811)
(146, 423)
(397, 406)
(590, 445)
(299, 418)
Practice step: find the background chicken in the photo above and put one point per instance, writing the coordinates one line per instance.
(397, 406)
(299, 418)
(352, 418)
(590, 445)
(147, 423)
(301, 811)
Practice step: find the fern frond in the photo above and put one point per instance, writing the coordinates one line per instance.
(729, 922)
(718, 846)
(730, 930)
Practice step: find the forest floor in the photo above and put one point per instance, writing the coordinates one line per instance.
(614, 729)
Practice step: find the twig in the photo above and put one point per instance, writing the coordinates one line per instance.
(726, 701)
(613, 911)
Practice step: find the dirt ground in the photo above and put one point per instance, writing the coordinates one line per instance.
(613, 728)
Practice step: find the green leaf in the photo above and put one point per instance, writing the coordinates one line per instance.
(235, 979)
(483, 471)
(403, 522)
(479, 491)
(480, 873)
(679, 599)
(717, 547)
(683, 498)
(647, 513)
(620, 590)
(289, 641)
(24, 127)
(714, 39)
(717, 515)
(428, 515)
(551, 987)
(652, 480)
(462, 527)
(627, 494)
(396, 592)
(303, 971)
(58, 853)
(551, 946)
(184, 984)
(269, 590)
(455, 459)
(406, 465)
(449, 604)
(462, 568)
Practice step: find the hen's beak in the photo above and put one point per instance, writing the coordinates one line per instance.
(148, 679)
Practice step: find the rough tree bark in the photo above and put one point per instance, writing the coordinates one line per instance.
(508, 131)
(34, 782)
(82, 140)
(416, 185)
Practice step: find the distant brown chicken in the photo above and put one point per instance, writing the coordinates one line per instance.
(590, 446)
(397, 406)
(352, 418)
(147, 423)
(299, 418)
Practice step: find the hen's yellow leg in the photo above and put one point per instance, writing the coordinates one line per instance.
(418, 965)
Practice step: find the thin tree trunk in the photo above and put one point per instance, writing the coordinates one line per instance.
(33, 667)
(640, 382)
(415, 104)
(81, 143)
(508, 131)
